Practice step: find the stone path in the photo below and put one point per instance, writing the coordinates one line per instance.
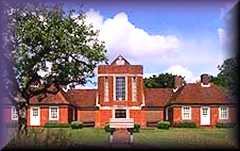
(121, 138)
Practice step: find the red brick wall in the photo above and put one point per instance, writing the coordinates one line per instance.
(154, 116)
(103, 117)
(214, 114)
(44, 115)
(139, 117)
(120, 69)
(86, 116)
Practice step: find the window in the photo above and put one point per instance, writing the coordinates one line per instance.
(53, 113)
(120, 88)
(134, 89)
(14, 113)
(120, 113)
(106, 89)
(205, 111)
(35, 111)
(223, 112)
(186, 113)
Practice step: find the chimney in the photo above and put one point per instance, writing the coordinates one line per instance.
(205, 80)
(178, 83)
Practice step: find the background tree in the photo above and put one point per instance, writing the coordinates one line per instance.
(50, 46)
(163, 80)
(228, 75)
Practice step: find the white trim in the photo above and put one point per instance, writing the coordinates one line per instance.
(120, 75)
(205, 85)
(166, 112)
(35, 120)
(114, 87)
(190, 112)
(106, 90)
(220, 112)
(207, 120)
(50, 117)
(126, 88)
(120, 107)
(14, 115)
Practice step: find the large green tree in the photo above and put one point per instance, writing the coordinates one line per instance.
(228, 75)
(52, 47)
(163, 80)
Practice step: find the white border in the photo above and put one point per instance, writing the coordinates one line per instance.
(53, 119)
(190, 117)
(13, 108)
(219, 113)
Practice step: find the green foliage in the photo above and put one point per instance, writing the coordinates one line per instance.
(227, 77)
(56, 125)
(225, 125)
(163, 80)
(108, 129)
(136, 128)
(52, 46)
(185, 124)
(163, 125)
(76, 125)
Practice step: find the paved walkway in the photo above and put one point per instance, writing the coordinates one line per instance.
(121, 138)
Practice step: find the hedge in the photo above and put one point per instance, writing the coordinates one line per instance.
(163, 125)
(76, 125)
(136, 128)
(225, 125)
(185, 124)
(108, 129)
(56, 125)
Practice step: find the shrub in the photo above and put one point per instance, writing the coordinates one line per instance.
(76, 125)
(163, 125)
(136, 128)
(185, 124)
(56, 125)
(108, 129)
(225, 125)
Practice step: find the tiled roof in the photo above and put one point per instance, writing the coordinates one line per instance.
(82, 97)
(58, 98)
(194, 93)
(157, 97)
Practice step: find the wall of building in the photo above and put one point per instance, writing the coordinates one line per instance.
(196, 117)
(86, 115)
(44, 114)
(139, 117)
(102, 117)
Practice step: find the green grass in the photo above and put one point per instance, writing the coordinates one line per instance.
(186, 138)
(150, 137)
(60, 138)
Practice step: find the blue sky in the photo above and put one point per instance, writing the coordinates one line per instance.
(178, 37)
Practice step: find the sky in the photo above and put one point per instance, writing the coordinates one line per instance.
(180, 37)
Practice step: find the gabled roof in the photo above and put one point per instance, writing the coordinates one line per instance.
(120, 57)
(82, 97)
(194, 93)
(58, 98)
(157, 97)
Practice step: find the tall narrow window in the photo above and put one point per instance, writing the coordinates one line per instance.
(223, 112)
(14, 113)
(186, 113)
(120, 88)
(134, 89)
(106, 90)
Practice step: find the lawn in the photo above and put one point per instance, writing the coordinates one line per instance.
(186, 138)
(60, 138)
(149, 137)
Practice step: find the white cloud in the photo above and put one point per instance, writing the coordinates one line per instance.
(183, 71)
(123, 37)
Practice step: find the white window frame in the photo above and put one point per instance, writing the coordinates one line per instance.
(115, 86)
(220, 113)
(190, 112)
(106, 89)
(50, 116)
(14, 115)
(134, 89)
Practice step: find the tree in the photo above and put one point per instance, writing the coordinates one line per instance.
(227, 77)
(51, 47)
(163, 80)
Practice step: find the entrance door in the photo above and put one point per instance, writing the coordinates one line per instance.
(35, 116)
(205, 115)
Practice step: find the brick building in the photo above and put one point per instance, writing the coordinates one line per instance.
(121, 99)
